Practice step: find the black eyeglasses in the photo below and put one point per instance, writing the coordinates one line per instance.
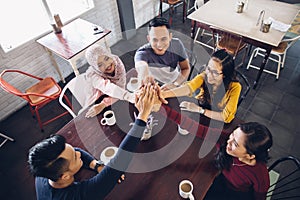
(213, 72)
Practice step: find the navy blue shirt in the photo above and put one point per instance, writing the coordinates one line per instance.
(100, 185)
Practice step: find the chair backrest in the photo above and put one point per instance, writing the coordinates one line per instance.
(226, 40)
(245, 86)
(13, 90)
(291, 41)
(76, 87)
(285, 179)
(9, 87)
(198, 4)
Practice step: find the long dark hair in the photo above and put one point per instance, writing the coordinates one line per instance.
(258, 142)
(228, 71)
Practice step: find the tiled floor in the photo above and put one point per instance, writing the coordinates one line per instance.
(273, 103)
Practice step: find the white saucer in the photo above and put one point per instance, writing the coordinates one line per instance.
(182, 131)
(131, 88)
(106, 159)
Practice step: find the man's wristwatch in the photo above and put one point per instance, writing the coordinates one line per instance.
(98, 164)
(202, 111)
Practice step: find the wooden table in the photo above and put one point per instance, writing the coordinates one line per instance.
(72, 42)
(163, 160)
(221, 14)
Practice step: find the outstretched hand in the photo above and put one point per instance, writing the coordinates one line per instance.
(95, 110)
(160, 94)
(189, 106)
(168, 86)
(144, 101)
(148, 79)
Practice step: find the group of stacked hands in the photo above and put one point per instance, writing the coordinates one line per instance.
(241, 157)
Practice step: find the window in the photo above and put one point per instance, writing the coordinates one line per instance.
(22, 21)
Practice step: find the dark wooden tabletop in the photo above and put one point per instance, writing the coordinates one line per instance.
(160, 162)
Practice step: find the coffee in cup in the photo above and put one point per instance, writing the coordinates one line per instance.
(108, 118)
(109, 152)
(186, 189)
(133, 84)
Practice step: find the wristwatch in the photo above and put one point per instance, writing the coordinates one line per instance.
(98, 164)
(202, 111)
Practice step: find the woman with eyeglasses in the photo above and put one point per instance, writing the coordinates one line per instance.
(219, 89)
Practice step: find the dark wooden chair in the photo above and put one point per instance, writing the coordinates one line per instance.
(285, 179)
(172, 5)
(233, 43)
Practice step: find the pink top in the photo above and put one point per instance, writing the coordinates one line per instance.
(101, 83)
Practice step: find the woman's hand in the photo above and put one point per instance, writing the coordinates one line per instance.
(95, 110)
(160, 94)
(189, 106)
(168, 86)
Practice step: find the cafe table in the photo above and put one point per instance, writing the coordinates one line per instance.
(72, 42)
(158, 165)
(222, 14)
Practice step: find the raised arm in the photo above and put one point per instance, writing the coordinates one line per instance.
(104, 182)
(185, 71)
(142, 69)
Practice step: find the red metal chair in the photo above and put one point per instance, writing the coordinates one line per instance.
(38, 95)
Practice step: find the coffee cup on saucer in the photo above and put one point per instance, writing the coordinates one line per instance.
(108, 153)
(133, 84)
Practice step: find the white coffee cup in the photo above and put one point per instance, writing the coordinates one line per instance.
(186, 189)
(133, 84)
(108, 118)
(108, 153)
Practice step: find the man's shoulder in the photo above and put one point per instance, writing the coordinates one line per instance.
(145, 47)
(176, 41)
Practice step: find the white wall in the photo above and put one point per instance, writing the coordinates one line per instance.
(32, 58)
(145, 10)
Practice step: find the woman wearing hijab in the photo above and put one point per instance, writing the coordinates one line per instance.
(107, 78)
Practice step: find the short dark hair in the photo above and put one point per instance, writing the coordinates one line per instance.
(43, 158)
(159, 21)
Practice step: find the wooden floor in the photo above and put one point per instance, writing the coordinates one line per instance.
(273, 103)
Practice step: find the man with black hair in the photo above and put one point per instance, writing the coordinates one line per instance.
(161, 56)
(54, 162)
